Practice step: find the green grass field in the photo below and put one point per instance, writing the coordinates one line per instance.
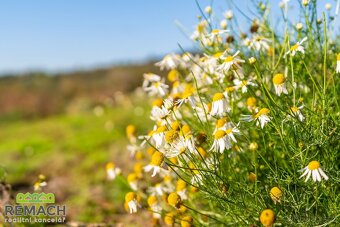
(71, 150)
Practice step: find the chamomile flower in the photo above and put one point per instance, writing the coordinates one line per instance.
(219, 105)
(157, 88)
(242, 84)
(157, 160)
(279, 84)
(216, 33)
(313, 169)
(41, 183)
(132, 179)
(158, 136)
(181, 189)
(229, 14)
(276, 194)
(174, 200)
(229, 61)
(297, 48)
(221, 142)
(154, 206)
(267, 217)
(259, 43)
(296, 112)
(112, 171)
(159, 114)
(170, 61)
(338, 63)
(150, 78)
(261, 117)
(131, 199)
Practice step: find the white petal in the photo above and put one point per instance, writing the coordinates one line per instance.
(314, 172)
(308, 176)
(318, 177)
(323, 174)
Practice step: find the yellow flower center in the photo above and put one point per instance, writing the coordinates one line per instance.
(228, 131)
(173, 75)
(313, 165)
(152, 200)
(174, 199)
(186, 221)
(279, 79)
(170, 136)
(157, 102)
(157, 84)
(267, 217)
(221, 122)
(263, 111)
(229, 59)
(161, 129)
(251, 101)
(175, 125)
(138, 168)
(275, 193)
(131, 177)
(110, 165)
(180, 185)
(338, 57)
(169, 219)
(294, 47)
(230, 89)
(218, 54)
(167, 178)
(130, 130)
(193, 168)
(186, 129)
(157, 158)
(215, 31)
(202, 152)
(294, 109)
(151, 150)
(130, 196)
(218, 96)
(219, 134)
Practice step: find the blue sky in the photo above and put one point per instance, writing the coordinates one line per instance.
(66, 34)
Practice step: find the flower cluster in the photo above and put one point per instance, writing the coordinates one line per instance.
(234, 125)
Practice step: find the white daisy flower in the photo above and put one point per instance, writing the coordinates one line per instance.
(279, 84)
(157, 160)
(221, 142)
(259, 43)
(157, 88)
(313, 169)
(170, 61)
(219, 105)
(112, 171)
(159, 137)
(242, 84)
(229, 61)
(131, 199)
(150, 78)
(216, 33)
(296, 112)
(297, 48)
(261, 117)
(159, 114)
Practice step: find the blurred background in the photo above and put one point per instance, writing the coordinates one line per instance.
(69, 72)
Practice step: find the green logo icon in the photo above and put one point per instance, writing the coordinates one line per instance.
(35, 198)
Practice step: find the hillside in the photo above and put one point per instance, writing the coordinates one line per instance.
(39, 94)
